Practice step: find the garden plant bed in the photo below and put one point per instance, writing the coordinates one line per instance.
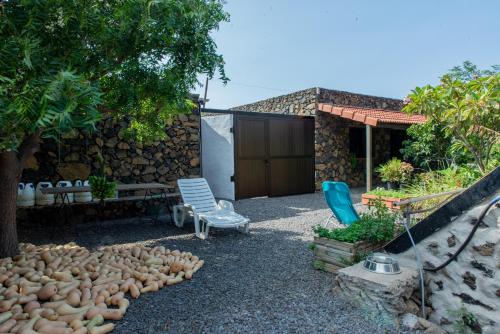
(331, 255)
(389, 202)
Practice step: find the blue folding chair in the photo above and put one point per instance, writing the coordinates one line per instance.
(338, 198)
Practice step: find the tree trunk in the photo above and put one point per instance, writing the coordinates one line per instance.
(11, 167)
(10, 171)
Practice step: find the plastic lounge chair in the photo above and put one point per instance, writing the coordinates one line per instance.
(200, 202)
(338, 198)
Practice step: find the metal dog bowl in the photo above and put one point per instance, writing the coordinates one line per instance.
(381, 264)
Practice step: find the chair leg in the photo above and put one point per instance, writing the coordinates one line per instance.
(197, 226)
(205, 234)
(178, 216)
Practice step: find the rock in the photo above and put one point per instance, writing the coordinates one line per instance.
(123, 146)
(111, 142)
(469, 280)
(410, 321)
(497, 293)
(73, 171)
(99, 141)
(452, 241)
(194, 162)
(486, 249)
(433, 248)
(140, 161)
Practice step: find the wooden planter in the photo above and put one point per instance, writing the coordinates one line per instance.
(332, 255)
(366, 199)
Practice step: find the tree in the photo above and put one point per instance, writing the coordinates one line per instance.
(430, 148)
(65, 63)
(467, 110)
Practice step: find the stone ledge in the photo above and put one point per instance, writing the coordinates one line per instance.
(384, 297)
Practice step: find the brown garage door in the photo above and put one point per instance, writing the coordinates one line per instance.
(274, 155)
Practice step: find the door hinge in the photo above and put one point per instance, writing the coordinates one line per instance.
(231, 129)
(232, 178)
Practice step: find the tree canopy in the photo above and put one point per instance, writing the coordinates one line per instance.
(466, 105)
(63, 63)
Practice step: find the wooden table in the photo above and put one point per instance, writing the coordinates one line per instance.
(152, 190)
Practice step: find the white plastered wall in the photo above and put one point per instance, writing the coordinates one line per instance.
(218, 154)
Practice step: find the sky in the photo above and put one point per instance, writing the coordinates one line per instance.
(375, 47)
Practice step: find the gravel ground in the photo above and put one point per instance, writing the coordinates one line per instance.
(258, 283)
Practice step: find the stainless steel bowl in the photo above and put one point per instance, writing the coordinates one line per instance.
(381, 264)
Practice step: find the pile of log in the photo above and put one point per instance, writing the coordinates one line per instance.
(62, 289)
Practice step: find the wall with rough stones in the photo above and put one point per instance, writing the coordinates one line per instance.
(471, 281)
(333, 161)
(303, 102)
(126, 161)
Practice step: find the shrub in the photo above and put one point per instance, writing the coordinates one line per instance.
(101, 188)
(377, 225)
(395, 170)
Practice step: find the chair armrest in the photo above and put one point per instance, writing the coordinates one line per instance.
(225, 205)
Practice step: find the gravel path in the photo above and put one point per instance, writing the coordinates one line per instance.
(258, 283)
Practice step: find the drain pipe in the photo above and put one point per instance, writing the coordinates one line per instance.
(406, 224)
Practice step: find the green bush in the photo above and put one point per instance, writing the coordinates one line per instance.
(101, 188)
(395, 170)
(377, 225)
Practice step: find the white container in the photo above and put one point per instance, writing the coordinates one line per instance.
(68, 197)
(42, 199)
(26, 194)
(20, 188)
(82, 197)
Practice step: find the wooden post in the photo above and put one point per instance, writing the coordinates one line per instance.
(368, 157)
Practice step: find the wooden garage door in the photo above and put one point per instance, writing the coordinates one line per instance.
(274, 156)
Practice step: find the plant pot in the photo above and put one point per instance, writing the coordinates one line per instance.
(331, 255)
(367, 199)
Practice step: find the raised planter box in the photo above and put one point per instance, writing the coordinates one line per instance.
(388, 201)
(332, 255)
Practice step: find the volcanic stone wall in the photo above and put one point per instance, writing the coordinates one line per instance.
(75, 156)
(333, 161)
(126, 161)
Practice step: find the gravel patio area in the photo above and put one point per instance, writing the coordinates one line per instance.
(258, 283)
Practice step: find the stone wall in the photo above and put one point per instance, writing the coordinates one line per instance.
(127, 161)
(470, 281)
(303, 102)
(333, 161)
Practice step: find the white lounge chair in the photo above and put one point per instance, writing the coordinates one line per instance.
(200, 202)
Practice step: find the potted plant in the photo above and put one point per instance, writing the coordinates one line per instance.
(395, 172)
(341, 247)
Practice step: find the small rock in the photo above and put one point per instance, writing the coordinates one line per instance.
(410, 321)
(452, 241)
(433, 248)
(485, 250)
(469, 280)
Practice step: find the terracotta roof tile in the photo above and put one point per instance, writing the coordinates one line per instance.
(372, 116)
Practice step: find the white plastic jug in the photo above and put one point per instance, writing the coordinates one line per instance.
(20, 188)
(68, 197)
(42, 199)
(26, 194)
(83, 197)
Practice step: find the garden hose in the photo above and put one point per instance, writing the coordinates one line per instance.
(469, 237)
